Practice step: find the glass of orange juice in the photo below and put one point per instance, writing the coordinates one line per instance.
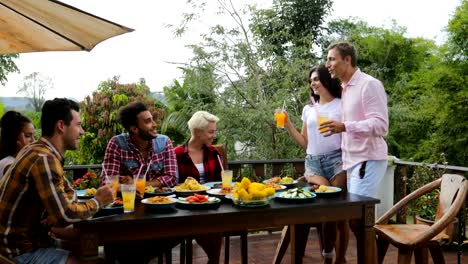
(114, 182)
(322, 118)
(140, 185)
(280, 117)
(226, 177)
(128, 197)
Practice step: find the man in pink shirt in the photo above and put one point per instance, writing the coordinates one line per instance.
(364, 121)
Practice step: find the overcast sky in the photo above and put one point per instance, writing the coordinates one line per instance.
(147, 51)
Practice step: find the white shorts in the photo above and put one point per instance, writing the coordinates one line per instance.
(370, 184)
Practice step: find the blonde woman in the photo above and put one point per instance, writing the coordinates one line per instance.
(198, 159)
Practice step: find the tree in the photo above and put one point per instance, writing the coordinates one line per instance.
(7, 65)
(34, 87)
(198, 92)
(262, 64)
(99, 114)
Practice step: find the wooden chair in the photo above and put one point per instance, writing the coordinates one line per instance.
(417, 238)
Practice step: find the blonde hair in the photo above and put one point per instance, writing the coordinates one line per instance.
(200, 120)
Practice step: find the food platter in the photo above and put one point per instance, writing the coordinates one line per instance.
(279, 198)
(333, 192)
(81, 195)
(217, 192)
(159, 206)
(110, 210)
(158, 192)
(212, 203)
(214, 185)
(185, 193)
(287, 185)
(250, 203)
(278, 187)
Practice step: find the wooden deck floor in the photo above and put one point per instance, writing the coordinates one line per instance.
(262, 248)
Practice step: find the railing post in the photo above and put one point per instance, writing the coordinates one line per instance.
(259, 171)
(401, 177)
(277, 169)
(299, 168)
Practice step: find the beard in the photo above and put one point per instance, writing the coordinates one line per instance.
(70, 144)
(145, 135)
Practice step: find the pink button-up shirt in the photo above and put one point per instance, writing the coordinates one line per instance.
(365, 115)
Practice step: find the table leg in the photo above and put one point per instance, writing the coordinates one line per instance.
(296, 244)
(367, 251)
(89, 245)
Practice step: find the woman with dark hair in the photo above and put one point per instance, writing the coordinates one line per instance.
(323, 163)
(17, 131)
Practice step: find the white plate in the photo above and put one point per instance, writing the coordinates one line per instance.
(81, 194)
(216, 192)
(213, 203)
(159, 205)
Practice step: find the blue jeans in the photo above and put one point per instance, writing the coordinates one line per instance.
(44, 256)
(327, 165)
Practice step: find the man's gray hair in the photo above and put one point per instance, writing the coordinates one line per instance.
(200, 120)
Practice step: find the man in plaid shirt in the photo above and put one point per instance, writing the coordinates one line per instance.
(129, 154)
(36, 198)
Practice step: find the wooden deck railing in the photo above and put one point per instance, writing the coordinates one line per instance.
(261, 169)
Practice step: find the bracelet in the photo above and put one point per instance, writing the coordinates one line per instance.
(329, 254)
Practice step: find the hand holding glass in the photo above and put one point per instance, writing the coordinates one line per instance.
(280, 117)
(323, 117)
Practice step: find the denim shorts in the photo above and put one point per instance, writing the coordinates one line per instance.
(327, 165)
(44, 255)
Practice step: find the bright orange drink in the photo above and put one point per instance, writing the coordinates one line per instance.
(115, 188)
(140, 185)
(321, 120)
(280, 116)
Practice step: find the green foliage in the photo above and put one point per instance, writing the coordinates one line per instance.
(35, 118)
(198, 92)
(457, 30)
(7, 65)
(99, 115)
(426, 205)
(261, 65)
(290, 27)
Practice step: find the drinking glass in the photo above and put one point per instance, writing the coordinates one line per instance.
(322, 118)
(128, 197)
(226, 177)
(280, 117)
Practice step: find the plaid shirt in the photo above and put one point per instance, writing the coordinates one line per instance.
(187, 167)
(34, 195)
(118, 161)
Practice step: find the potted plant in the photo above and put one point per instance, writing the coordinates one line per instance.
(89, 180)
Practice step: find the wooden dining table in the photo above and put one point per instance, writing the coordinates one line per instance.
(145, 224)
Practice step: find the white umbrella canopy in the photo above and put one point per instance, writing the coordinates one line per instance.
(49, 25)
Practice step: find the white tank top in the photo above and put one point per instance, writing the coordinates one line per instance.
(201, 170)
(316, 143)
